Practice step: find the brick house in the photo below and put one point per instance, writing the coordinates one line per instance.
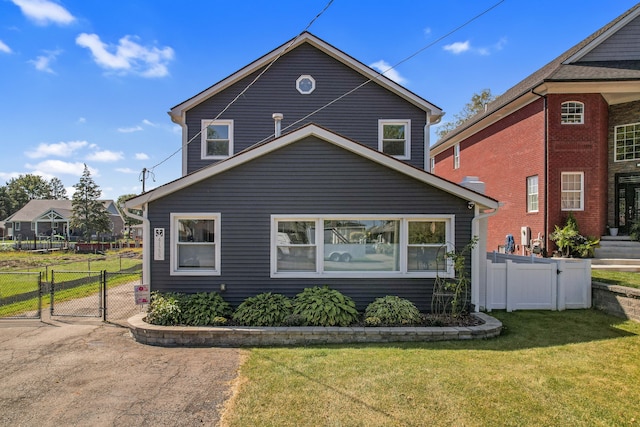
(566, 139)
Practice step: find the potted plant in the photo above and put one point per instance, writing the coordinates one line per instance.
(613, 231)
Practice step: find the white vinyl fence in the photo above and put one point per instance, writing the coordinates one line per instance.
(531, 283)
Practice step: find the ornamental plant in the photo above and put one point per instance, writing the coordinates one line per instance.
(164, 309)
(264, 309)
(202, 309)
(391, 311)
(322, 306)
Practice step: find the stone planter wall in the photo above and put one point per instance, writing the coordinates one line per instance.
(172, 336)
(616, 300)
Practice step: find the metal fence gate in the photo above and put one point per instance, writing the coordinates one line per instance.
(21, 295)
(102, 294)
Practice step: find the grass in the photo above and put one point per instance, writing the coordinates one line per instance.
(622, 278)
(577, 368)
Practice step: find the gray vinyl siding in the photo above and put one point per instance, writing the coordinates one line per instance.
(621, 46)
(310, 176)
(355, 116)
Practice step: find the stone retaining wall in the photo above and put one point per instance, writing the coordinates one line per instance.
(172, 336)
(616, 300)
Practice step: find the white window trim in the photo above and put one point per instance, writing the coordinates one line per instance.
(173, 240)
(432, 167)
(407, 133)
(17, 226)
(456, 156)
(615, 143)
(581, 208)
(403, 246)
(311, 79)
(203, 138)
(581, 122)
(537, 193)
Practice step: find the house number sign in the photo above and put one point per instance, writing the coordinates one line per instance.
(158, 244)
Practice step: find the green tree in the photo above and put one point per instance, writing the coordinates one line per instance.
(89, 214)
(57, 190)
(24, 188)
(473, 107)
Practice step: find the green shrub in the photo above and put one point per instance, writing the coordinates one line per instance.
(164, 309)
(392, 311)
(264, 309)
(321, 306)
(202, 308)
(219, 321)
(372, 321)
(293, 320)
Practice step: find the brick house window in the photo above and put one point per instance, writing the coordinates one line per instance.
(572, 113)
(572, 191)
(456, 156)
(627, 142)
(532, 193)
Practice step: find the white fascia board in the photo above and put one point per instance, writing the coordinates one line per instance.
(177, 115)
(311, 130)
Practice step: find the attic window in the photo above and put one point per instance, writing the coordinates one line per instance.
(394, 138)
(217, 139)
(305, 84)
(572, 113)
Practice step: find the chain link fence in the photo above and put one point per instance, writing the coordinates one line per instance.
(20, 295)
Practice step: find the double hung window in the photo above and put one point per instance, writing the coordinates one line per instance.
(217, 139)
(394, 138)
(195, 241)
(572, 191)
(532, 193)
(361, 245)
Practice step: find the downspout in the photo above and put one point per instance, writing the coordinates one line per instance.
(427, 140)
(476, 253)
(545, 214)
(146, 242)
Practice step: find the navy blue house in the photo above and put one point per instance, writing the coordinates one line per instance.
(317, 174)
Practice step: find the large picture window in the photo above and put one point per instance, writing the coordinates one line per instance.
(394, 138)
(627, 140)
(362, 245)
(217, 139)
(572, 191)
(195, 244)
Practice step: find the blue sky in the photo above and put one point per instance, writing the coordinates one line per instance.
(92, 81)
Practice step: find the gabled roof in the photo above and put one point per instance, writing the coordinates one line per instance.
(177, 112)
(571, 66)
(306, 131)
(34, 209)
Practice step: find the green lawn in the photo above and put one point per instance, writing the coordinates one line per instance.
(577, 368)
(622, 278)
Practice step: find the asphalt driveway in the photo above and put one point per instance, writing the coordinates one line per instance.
(86, 373)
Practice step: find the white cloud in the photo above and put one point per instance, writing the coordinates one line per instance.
(42, 62)
(82, 120)
(427, 31)
(60, 149)
(44, 12)
(458, 47)
(142, 156)
(4, 48)
(127, 170)
(128, 56)
(130, 130)
(58, 167)
(149, 123)
(384, 67)
(105, 156)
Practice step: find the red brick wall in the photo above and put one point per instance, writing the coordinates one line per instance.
(503, 156)
(579, 148)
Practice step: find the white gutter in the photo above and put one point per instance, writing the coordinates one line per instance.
(146, 241)
(476, 253)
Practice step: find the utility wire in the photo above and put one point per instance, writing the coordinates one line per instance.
(419, 51)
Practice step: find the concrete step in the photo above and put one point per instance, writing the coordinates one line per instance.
(619, 247)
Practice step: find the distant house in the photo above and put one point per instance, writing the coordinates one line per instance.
(565, 140)
(341, 198)
(43, 218)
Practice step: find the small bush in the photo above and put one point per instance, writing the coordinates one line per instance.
(293, 320)
(203, 308)
(321, 306)
(372, 321)
(393, 311)
(264, 309)
(219, 321)
(164, 309)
